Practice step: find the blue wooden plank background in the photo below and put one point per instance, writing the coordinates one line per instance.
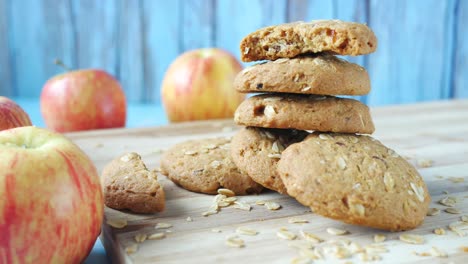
(422, 53)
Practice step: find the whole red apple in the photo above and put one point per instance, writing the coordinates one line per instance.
(51, 205)
(83, 100)
(199, 85)
(12, 115)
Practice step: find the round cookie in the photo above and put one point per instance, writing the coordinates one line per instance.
(128, 184)
(256, 152)
(355, 179)
(305, 112)
(205, 166)
(293, 39)
(322, 74)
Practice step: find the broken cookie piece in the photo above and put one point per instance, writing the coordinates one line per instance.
(128, 184)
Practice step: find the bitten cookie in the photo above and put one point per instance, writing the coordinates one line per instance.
(305, 112)
(355, 179)
(205, 166)
(256, 152)
(292, 39)
(128, 184)
(324, 75)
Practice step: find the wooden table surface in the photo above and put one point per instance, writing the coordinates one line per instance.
(425, 133)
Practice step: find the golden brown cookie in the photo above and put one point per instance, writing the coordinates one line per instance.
(355, 179)
(128, 184)
(305, 112)
(293, 39)
(324, 75)
(205, 166)
(256, 152)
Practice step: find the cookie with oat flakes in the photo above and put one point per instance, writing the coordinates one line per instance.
(318, 74)
(204, 166)
(355, 179)
(256, 152)
(128, 184)
(293, 39)
(305, 112)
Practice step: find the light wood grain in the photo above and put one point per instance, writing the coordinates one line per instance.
(433, 131)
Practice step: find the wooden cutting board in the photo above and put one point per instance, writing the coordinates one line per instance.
(424, 133)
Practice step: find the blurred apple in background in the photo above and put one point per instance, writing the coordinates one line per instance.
(198, 85)
(12, 115)
(83, 100)
(51, 205)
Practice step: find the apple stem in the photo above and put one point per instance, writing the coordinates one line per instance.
(61, 64)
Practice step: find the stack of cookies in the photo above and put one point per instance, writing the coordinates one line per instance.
(334, 170)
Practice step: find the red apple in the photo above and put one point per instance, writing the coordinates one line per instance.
(199, 85)
(12, 115)
(51, 205)
(83, 100)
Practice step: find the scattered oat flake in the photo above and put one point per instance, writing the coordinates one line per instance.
(246, 231)
(235, 242)
(439, 231)
(162, 225)
(310, 237)
(230, 199)
(189, 219)
(458, 228)
(208, 213)
(369, 257)
(378, 238)
(140, 238)
(99, 145)
(448, 201)
(284, 234)
(301, 244)
(156, 236)
(456, 179)
(422, 254)
(226, 192)
(117, 223)
(452, 210)
(464, 218)
(436, 252)
(131, 249)
(336, 231)
(375, 249)
(433, 211)
(242, 206)
(301, 260)
(412, 239)
(216, 230)
(425, 163)
(260, 202)
(297, 220)
(272, 206)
